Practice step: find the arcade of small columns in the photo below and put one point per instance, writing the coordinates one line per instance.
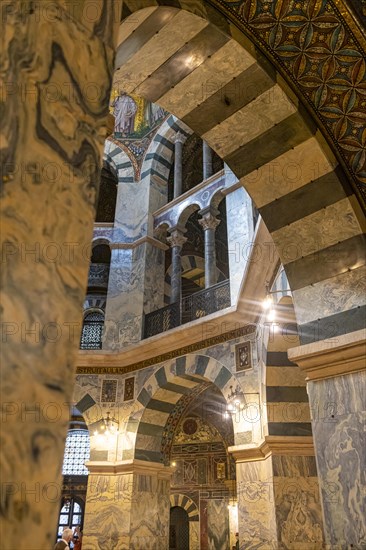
(208, 221)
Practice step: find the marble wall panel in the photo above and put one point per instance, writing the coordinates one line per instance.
(297, 502)
(256, 511)
(338, 409)
(218, 525)
(136, 277)
(240, 236)
(107, 512)
(149, 528)
(194, 535)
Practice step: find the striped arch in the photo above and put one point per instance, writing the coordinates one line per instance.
(95, 303)
(159, 156)
(188, 262)
(287, 403)
(161, 394)
(122, 164)
(187, 504)
(237, 102)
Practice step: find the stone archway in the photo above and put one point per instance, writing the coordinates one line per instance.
(165, 388)
(192, 511)
(264, 135)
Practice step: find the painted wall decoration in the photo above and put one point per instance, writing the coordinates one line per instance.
(136, 120)
(243, 353)
(109, 391)
(129, 389)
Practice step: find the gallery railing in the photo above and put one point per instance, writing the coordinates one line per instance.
(192, 307)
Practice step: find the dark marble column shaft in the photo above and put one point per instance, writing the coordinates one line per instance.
(178, 166)
(209, 223)
(207, 161)
(176, 241)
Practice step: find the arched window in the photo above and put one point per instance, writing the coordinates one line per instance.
(77, 452)
(71, 514)
(91, 336)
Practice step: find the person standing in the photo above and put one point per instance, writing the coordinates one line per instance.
(63, 544)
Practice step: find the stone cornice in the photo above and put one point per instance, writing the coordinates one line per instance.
(274, 445)
(109, 366)
(139, 242)
(140, 467)
(336, 357)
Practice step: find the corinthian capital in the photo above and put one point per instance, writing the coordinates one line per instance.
(176, 238)
(209, 221)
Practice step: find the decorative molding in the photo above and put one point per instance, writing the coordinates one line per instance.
(139, 242)
(220, 339)
(134, 466)
(327, 359)
(275, 445)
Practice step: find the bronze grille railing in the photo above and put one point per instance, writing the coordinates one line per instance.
(192, 307)
(161, 320)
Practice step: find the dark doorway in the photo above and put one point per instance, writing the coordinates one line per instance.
(179, 529)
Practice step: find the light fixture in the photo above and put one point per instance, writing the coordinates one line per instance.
(235, 401)
(108, 426)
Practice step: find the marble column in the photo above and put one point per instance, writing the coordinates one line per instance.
(278, 495)
(178, 164)
(207, 161)
(54, 116)
(127, 506)
(336, 378)
(176, 241)
(209, 222)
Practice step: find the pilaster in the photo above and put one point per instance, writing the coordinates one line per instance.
(278, 494)
(336, 377)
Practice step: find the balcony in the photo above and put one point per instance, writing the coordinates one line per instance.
(191, 308)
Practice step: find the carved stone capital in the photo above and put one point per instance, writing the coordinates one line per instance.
(179, 138)
(176, 238)
(209, 221)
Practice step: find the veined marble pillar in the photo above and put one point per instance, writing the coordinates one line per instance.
(55, 111)
(336, 379)
(207, 161)
(278, 495)
(178, 164)
(127, 506)
(176, 241)
(209, 223)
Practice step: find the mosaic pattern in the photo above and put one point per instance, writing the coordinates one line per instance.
(313, 44)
